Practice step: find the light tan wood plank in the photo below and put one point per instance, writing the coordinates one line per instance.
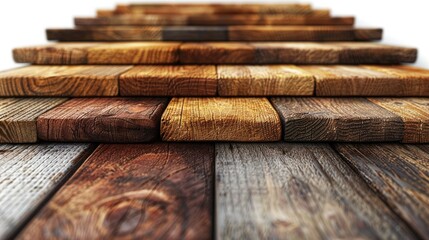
(220, 119)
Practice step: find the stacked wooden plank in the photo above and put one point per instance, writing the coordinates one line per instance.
(227, 121)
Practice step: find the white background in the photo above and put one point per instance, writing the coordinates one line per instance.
(23, 22)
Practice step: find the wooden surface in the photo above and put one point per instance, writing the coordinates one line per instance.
(400, 174)
(61, 81)
(220, 119)
(103, 120)
(215, 53)
(29, 175)
(414, 113)
(267, 80)
(151, 191)
(18, 117)
(337, 119)
(369, 80)
(297, 191)
(187, 80)
(213, 8)
(216, 33)
(214, 20)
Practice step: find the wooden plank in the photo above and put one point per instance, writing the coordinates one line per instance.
(216, 33)
(220, 119)
(414, 113)
(120, 120)
(18, 117)
(217, 53)
(337, 119)
(141, 191)
(400, 174)
(187, 80)
(369, 80)
(302, 33)
(30, 174)
(135, 53)
(213, 20)
(266, 80)
(61, 81)
(298, 191)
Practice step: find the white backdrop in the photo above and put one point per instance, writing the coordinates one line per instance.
(23, 22)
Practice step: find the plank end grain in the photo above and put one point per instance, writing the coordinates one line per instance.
(337, 119)
(118, 120)
(220, 119)
(139, 191)
(185, 80)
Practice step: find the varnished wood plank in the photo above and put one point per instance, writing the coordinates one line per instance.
(61, 81)
(18, 117)
(103, 120)
(267, 80)
(215, 33)
(296, 191)
(369, 80)
(400, 174)
(337, 119)
(213, 20)
(302, 33)
(414, 113)
(144, 191)
(187, 80)
(135, 53)
(220, 119)
(29, 174)
(217, 53)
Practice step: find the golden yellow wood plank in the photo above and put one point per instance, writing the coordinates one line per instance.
(414, 113)
(18, 117)
(63, 81)
(267, 80)
(220, 119)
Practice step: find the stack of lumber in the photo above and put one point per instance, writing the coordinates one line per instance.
(225, 121)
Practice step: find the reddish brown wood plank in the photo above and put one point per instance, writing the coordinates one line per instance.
(103, 120)
(187, 80)
(145, 191)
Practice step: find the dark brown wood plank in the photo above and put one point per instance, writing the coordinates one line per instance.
(144, 191)
(296, 191)
(216, 53)
(414, 113)
(61, 81)
(120, 120)
(151, 33)
(399, 173)
(29, 174)
(337, 119)
(187, 33)
(187, 80)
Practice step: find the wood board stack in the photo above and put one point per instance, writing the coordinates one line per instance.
(236, 121)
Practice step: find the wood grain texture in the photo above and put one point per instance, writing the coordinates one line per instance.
(29, 175)
(414, 113)
(400, 174)
(213, 20)
(267, 80)
(296, 191)
(367, 80)
(103, 120)
(215, 33)
(213, 8)
(217, 53)
(220, 119)
(146, 191)
(337, 119)
(187, 80)
(61, 81)
(18, 117)
(134, 53)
